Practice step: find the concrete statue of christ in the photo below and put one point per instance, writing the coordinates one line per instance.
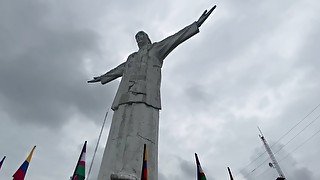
(136, 106)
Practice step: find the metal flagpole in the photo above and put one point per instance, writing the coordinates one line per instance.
(231, 178)
(96, 148)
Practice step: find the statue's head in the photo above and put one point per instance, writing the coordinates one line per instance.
(142, 39)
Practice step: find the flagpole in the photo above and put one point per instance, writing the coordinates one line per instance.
(144, 170)
(96, 148)
(200, 173)
(230, 174)
(198, 164)
(1, 162)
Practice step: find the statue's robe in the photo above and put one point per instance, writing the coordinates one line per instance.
(136, 109)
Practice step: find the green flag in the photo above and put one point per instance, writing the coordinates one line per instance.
(79, 172)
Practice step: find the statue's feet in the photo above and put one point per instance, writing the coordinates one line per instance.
(123, 176)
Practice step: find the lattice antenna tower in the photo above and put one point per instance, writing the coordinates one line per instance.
(274, 163)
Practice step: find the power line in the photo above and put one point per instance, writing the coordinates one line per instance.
(282, 138)
(296, 124)
(284, 145)
(264, 172)
(299, 146)
(257, 167)
(251, 162)
(302, 144)
(298, 133)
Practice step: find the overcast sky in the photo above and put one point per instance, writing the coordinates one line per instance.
(254, 63)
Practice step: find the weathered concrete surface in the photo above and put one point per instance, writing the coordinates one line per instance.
(132, 126)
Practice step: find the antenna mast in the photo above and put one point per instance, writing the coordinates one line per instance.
(271, 155)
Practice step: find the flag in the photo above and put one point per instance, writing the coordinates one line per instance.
(79, 172)
(1, 162)
(21, 172)
(230, 174)
(200, 173)
(144, 172)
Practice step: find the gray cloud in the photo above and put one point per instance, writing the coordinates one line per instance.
(302, 173)
(42, 67)
(253, 63)
(188, 168)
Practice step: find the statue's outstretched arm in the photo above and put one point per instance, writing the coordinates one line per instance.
(168, 44)
(110, 75)
(205, 15)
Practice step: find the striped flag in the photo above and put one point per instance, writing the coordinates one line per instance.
(200, 173)
(144, 172)
(1, 162)
(79, 172)
(22, 171)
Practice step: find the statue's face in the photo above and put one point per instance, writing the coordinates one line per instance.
(142, 39)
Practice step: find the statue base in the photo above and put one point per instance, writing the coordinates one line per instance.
(121, 176)
(133, 125)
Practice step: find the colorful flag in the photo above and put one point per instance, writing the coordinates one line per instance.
(200, 173)
(21, 172)
(144, 172)
(79, 172)
(1, 162)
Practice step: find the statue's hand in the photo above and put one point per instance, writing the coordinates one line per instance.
(95, 79)
(205, 15)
